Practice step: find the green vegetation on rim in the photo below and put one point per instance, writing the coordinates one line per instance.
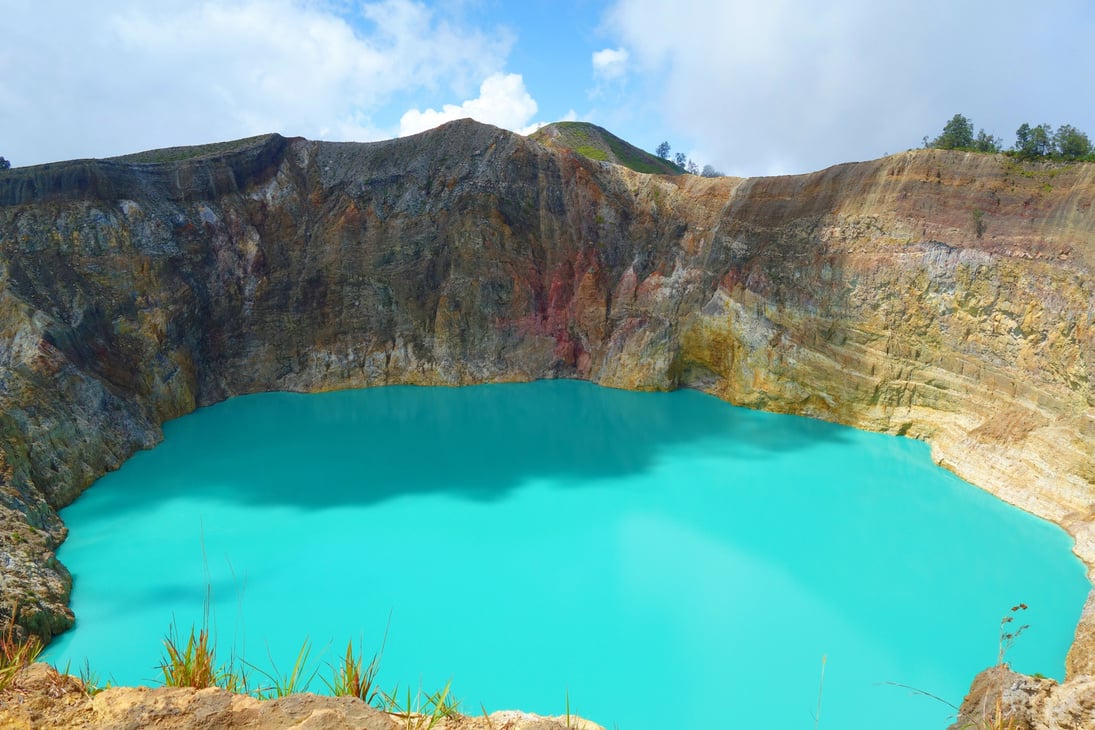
(596, 143)
(1031, 143)
(593, 153)
(177, 154)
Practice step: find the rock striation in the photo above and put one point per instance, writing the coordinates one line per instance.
(942, 295)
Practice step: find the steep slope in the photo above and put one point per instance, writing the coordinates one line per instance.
(947, 296)
(598, 143)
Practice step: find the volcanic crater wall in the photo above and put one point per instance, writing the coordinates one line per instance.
(947, 296)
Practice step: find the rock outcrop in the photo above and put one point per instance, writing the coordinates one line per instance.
(947, 296)
(43, 699)
(1001, 698)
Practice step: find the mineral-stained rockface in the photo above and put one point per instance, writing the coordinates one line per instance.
(948, 296)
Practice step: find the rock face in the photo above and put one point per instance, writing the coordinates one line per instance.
(946, 296)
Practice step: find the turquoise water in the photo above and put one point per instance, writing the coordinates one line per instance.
(662, 559)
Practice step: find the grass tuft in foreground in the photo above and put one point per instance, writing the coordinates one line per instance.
(195, 663)
(421, 711)
(283, 684)
(351, 677)
(191, 666)
(92, 683)
(16, 652)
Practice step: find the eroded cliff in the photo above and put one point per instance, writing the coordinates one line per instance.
(947, 296)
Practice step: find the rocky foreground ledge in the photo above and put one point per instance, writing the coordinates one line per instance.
(43, 699)
(941, 295)
(1001, 699)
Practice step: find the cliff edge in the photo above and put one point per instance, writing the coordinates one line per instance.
(942, 295)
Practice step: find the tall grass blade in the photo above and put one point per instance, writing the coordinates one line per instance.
(820, 691)
(293, 682)
(16, 653)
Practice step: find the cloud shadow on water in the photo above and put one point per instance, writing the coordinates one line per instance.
(365, 446)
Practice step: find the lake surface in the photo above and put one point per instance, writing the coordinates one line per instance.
(661, 559)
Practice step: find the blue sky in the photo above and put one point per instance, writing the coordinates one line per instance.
(751, 87)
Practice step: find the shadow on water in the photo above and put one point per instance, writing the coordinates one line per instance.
(364, 446)
(178, 593)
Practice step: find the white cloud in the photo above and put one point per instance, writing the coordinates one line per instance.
(104, 78)
(793, 85)
(610, 63)
(503, 101)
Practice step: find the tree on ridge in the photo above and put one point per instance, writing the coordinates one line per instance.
(1034, 141)
(1071, 143)
(957, 134)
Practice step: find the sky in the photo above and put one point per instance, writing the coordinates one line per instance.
(751, 87)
